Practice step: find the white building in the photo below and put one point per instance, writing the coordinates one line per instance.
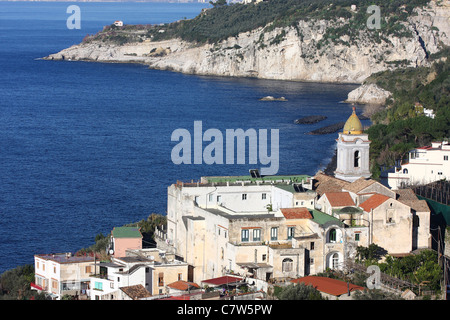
(264, 228)
(148, 269)
(425, 165)
(60, 274)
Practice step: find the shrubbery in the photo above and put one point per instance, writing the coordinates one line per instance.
(401, 126)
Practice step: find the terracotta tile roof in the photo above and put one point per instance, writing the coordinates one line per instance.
(183, 285)
(136, 292)
(325, 183)
(296, 213)
(327, 285)
(373, 202)
(359, 184)
(417, 205)
(339, 199)
(222, 280)
(406, 194)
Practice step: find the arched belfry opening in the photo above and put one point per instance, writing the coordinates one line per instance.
(352, 151)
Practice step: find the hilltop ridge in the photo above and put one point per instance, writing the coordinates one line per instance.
(332, 47)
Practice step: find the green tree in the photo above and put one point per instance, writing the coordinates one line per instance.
(218, 3)
(15, 284)
(299, 291)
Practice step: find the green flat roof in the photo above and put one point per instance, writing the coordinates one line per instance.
(126, 232)
(322, 218)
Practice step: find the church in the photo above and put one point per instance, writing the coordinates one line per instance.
(352, 151)
(278, 227)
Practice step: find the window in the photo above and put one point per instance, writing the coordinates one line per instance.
(161, 279)
(180, 276)
(356, 236)
(445, 158)
(333, 235)
(98, 285)
(287, 265)
(356, 159)
(210, 198)
(405, 171)
(111, 285)
(311, 260)
(88, 269)
(263, 196)
(274, 233)
(244, 235)
(244, 196)
(290, 232)
(256, 234)
(311, 246)
(335, 261)
(219, 199)
(390, 216)
(264, 256)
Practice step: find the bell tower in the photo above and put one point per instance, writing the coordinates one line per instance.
(352, 151)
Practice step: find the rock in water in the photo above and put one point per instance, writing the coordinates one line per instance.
(310, 119)
(270, 98)
(328, 129)
(368, 94)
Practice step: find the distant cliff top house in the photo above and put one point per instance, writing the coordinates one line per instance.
(118, 23)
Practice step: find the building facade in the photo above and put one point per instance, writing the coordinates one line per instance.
(149, 268)
(424, 165)
(63, 274)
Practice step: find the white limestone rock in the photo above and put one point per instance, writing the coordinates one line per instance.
(368, 94)
(295, 57)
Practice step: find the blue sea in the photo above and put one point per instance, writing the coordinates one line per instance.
(86, 147)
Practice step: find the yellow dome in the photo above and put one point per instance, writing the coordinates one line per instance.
(353, 125)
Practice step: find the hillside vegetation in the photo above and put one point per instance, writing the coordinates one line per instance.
(223, 21)
(402, 126)
(226, 21)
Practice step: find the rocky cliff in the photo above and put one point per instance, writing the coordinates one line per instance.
(292, 53)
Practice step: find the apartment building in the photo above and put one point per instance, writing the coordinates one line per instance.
(59, 274)
(425, 165)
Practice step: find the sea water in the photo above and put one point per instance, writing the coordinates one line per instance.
(86, 147)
